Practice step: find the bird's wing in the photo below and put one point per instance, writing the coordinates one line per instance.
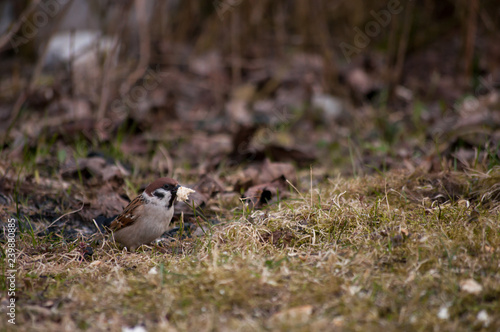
(129, 214)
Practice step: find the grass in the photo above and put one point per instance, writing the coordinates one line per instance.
(359, 254)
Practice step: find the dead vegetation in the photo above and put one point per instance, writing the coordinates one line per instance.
(332, 192)
(354, 254)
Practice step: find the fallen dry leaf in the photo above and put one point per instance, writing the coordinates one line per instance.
(135, 145)
(262, 194)
(273, 170)
(362, 84)
(488, 249)
(302, 156)
(208, 185)
(264, 172)
(95, 166)
(95, 263)
(105, 202)
(241, 143)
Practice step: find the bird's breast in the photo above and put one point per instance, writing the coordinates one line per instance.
(158, 217)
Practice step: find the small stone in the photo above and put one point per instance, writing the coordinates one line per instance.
(483, 317)
(137, 328)
(443, 313)
(471, 286)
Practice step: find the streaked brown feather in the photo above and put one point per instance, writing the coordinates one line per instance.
(129, 214)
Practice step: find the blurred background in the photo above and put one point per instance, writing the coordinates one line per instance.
(351, 87)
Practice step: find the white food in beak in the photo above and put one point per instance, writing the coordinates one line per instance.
(183, 193)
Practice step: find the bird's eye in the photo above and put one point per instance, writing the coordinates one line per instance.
(167, 186)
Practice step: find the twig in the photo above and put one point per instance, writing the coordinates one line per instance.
(145, 42)
(402, 47)
(96, 226)
(235, 48)
(470, 37)
(298, 192)
(311, 182)
(64, 215)
(105, 91)
(16, 109)
(16, 26)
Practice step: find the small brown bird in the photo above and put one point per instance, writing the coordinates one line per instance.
(148, 216)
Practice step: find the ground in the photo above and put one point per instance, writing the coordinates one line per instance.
(388, 251)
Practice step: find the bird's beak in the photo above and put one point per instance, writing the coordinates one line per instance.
(176, 188)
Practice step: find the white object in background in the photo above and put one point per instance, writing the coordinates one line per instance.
(81, 46)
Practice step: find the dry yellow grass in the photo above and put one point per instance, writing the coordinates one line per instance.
(359, 254)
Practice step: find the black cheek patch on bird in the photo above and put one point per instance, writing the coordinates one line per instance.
(159, 194)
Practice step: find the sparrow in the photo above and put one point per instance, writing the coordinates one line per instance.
(148, 215)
